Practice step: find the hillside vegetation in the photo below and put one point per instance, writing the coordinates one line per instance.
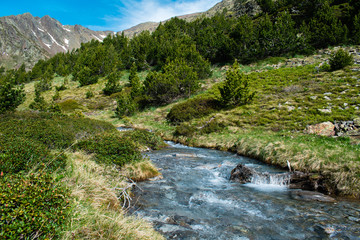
(245, 84)
(58, 171)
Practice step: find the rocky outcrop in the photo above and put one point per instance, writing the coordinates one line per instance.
(310, 182)
(322, 129)
(338, 128)
(27, 39)
(347, 128)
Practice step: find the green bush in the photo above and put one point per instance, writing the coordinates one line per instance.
(235, 90)
(126, 106)
(193, 108)
(89, 94)
(178, 79)
(39, 102)
(43, 85)
(111, 148)
(53, 130)
(112, 85)
(20, 154)
(213, 126)
(145, 138)
(10, 97)
(185, 129)
(160, 88)
(56, 96)
(60, 88)
(85, 78)
(32, 207)
(70, 105)
(340, 59)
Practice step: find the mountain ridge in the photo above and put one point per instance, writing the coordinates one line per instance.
(25, 39)
(233, 8)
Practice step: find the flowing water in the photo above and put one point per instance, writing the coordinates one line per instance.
(195, 200)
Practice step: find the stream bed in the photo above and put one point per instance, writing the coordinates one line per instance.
(195, 200)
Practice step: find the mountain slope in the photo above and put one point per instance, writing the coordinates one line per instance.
(26, 39)
(233, 8)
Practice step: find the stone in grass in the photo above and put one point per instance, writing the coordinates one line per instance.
(357, 122)
(326, 110)
(322, 129)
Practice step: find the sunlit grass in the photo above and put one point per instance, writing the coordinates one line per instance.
(97, 210)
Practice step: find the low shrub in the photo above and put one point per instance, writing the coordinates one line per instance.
(340, 59)
(145, 138)
(126, 106)
(56, 96)
(70, 105)
(20, 154)
(10, 97)
(213, 126)
(52, 130)
(39, 102)
(111, 148)
(185, 129)
(89, 94)
(60, 88)
(43, 85)
(193, 108)
(85, 77)
(32, 207)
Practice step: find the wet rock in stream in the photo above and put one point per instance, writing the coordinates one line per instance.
(295, 180)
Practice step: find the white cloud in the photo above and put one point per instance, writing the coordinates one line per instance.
(133, 12)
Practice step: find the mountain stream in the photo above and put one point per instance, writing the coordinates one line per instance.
(195, 200)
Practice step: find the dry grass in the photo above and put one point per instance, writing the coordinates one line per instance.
(140, 171)
(97, 211)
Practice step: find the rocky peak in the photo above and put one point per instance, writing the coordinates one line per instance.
(26, 39)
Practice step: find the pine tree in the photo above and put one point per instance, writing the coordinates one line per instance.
(39, 102)
(10, 97)
(112, 85)
(235, 90)
(356, 31)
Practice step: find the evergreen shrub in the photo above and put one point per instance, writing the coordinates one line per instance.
(10, 97)
(111, 148)
(126, 106)
(185, 129)
(32, 206)
(340, 59)
(21, 154)
(193, 108)
(146, 138)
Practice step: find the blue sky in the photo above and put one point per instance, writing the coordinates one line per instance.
(115, 15)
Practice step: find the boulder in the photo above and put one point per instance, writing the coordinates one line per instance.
(308, 181)
(322, 129)
(242, 174)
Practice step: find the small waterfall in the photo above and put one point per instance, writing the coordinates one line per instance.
(271, 179)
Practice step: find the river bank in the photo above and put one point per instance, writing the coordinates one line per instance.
(337, 161)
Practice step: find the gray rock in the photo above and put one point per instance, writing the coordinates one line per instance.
(242, 174)
(311, 196)
(357, 122)
(326, 110)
